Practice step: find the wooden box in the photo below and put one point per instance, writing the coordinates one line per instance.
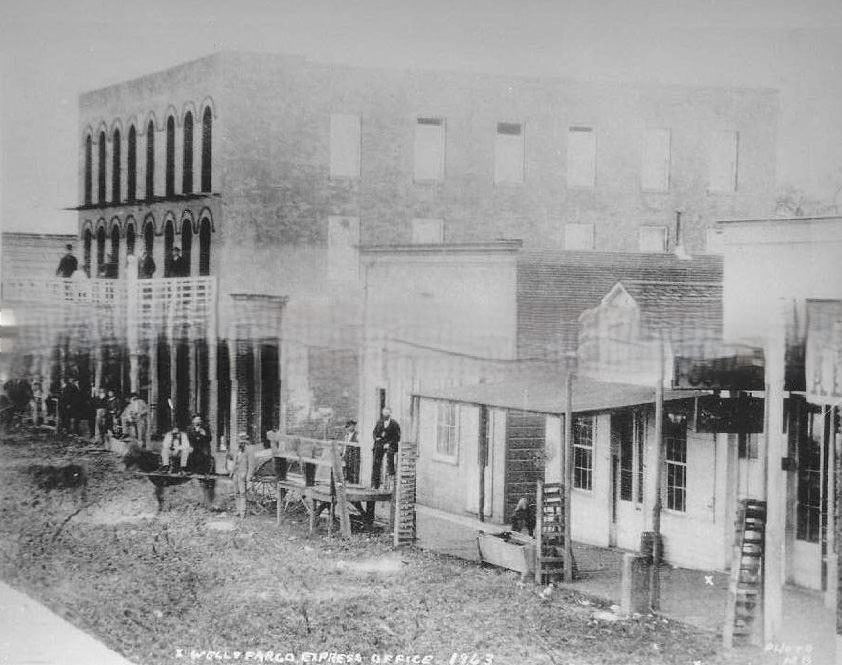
(510, 550)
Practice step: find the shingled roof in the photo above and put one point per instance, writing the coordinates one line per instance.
(555, 287)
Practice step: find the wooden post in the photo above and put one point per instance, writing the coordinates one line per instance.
(567, 469)
(831, 593)
(173, 348)
(257, 407)
(773, 568)
(482, 460)
(213, 395)
(658, 458)
(153, 381)
(539, 512)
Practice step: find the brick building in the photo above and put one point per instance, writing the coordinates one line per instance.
(269, 171)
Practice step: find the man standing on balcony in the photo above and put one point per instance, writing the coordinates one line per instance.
(387, 435)
(68, 264)
(145, 265)
(178, 266)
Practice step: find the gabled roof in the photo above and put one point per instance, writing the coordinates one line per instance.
(548, 395)
(555, 287)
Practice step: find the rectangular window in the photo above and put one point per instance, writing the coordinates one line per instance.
(583, 437)
(581, 157)
(652, 239)
(626, 464)
(446, 423)
(675, 438)
(508, 152)
(427, 231)
(722, 155)
(655, 166)
(429, 149)
(747, 446)
(344, 145)
(578, 236)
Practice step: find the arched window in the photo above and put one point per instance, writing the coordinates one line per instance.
(89, 156)
(187, 179)
(132, 166)
(114, 257)
(206, 149)
(100, 251)
(130, 239)
(88, 241)
(169, 242)
(170, 170)
(115, 167)
(149, 237)
(101, 168)
(186, 244)
(204, 247)
(150, 160)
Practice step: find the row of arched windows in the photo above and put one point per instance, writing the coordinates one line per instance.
(131, 162)
(107, 246)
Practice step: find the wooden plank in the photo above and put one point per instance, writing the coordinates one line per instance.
(340, 499)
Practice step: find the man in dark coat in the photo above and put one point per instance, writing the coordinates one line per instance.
(68, 264)
(145, 265)
(199, 436)
(387, 436)
(70, 406)
(178, 266)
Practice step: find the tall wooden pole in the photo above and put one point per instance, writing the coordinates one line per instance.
(658, 458)
(567, 466)
(774, 554)
(830, 596)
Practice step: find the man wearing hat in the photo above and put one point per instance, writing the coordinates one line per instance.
(68, 264)
(242, 465)
(351, 452)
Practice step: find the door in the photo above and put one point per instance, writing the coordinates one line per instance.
(478, 477)
(811, 502)
(627, 439)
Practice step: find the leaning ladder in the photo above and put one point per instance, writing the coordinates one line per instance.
(549, 533)
(744, 611)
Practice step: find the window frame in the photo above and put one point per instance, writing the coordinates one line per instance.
(451, 452)
(583, 450)
(652, 227)
(675, 433)
(498, 177)
(430, 121)
(575, 130)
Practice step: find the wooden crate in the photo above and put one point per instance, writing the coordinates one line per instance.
(517, 554)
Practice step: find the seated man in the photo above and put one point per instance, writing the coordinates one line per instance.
(175, 445)
(38, 404)
(135, 419)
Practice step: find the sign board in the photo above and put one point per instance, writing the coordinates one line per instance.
(739, 415)
(823, 361)
(741, 371)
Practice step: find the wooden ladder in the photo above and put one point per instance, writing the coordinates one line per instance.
(549, 533)
(744, 612)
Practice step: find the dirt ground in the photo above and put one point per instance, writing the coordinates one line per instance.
(150, 584)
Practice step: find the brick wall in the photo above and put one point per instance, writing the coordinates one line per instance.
(525, 440)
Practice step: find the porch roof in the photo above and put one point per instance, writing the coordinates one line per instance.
(549, 395)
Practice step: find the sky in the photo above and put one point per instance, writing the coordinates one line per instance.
(50, 51)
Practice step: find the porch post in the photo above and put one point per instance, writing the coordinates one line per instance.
(153, 383)
(194, 383)
(213, 395)
(233, 352)
(657, 456)
(830, 595)
(567, 467)
(173, 348)
(774, 555)
(257, 358)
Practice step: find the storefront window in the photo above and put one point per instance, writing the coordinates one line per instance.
(809, 504)
(675, 437)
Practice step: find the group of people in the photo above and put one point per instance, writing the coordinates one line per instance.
(177, 266)
(105, 412)
(188, 451)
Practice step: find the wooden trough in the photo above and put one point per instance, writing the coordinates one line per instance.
(509, 549)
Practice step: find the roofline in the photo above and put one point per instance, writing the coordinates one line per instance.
(521, 77)
(501, 246)
(26, 234)
(760, 220)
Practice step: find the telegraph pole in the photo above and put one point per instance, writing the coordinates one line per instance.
(654, 575)
(567, 465)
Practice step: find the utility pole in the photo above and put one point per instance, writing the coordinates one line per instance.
(567, 465)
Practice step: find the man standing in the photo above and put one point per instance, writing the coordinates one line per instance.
(68, 264)
(38, 404)
(178, 266)
(100, 407)
(242, 467)
(70, 406)
(145, 265)
(135, 419)
(351, 452)
(387, 435)
(201, 459)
